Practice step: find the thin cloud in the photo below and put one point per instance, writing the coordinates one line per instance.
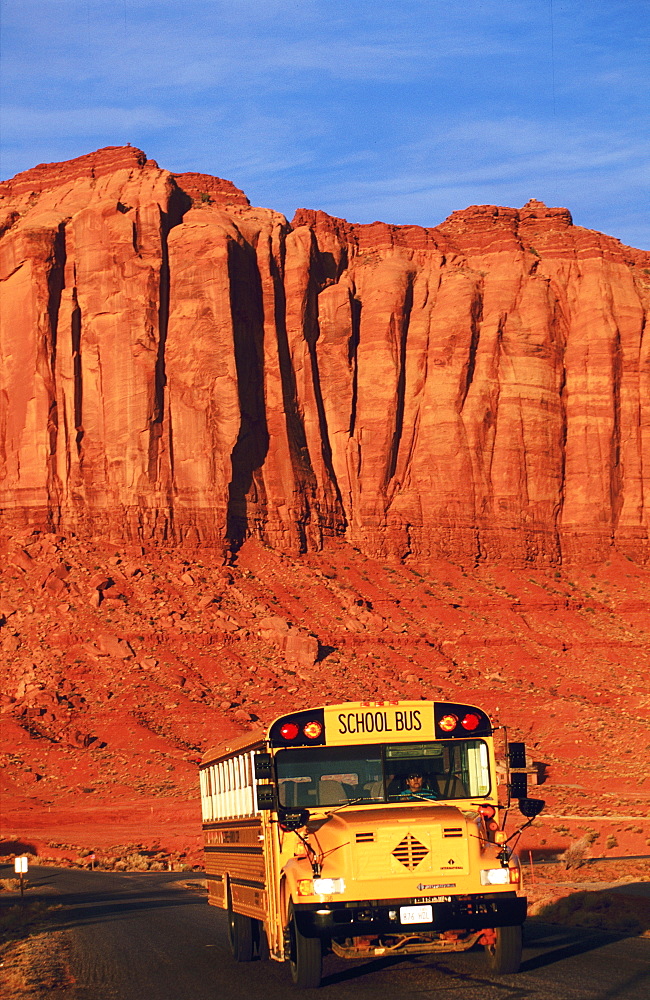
(82, 122)
(377, 109)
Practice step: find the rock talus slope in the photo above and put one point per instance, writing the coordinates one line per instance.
(178, 365)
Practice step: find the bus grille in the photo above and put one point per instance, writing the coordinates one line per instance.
(365, 838)
(410, 852)
(453, 831)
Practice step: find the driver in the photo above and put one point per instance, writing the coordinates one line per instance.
(417, 787)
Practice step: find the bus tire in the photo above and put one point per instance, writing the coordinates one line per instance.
(306, 957)
(240, 936)
(261, 941)
(504, 956)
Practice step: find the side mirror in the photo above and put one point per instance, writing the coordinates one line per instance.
(517, 754)
(265, 797)
(262, 765)
(519, 785)
(531, 807)
(292, 819)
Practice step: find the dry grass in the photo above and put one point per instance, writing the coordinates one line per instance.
(32, 969)
(9, 884)
(22, 919)
(601, 909)
(576, 853)
(33, 960)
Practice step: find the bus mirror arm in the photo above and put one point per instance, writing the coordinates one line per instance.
(314, 861)
(531, 808)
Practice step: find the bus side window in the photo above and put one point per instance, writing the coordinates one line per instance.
(211, 782)
(249, 801)
(220, 810)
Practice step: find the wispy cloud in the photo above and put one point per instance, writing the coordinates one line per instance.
(394, 109)
(82, 122)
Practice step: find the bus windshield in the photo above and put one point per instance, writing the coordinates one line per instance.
(400, 772)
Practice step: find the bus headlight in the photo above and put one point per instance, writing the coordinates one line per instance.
(328, 886)
(495, 876)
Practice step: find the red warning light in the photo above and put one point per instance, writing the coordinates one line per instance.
(470, 721)
(289, 731)
(487, 812)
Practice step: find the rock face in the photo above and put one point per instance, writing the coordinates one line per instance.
(178, 365)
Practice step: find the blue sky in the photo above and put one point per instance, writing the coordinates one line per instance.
(402, 111)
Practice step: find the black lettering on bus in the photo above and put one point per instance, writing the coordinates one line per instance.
(342, 726)
(407, 721)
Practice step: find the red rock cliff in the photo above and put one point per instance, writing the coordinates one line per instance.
(176, 364)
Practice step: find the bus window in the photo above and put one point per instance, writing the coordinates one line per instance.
(454, 769)
(329, 776)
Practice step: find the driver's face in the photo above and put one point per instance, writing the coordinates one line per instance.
(415, 782)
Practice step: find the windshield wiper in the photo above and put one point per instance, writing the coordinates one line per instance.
(352, 802)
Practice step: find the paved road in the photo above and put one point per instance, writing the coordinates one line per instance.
(140, 937)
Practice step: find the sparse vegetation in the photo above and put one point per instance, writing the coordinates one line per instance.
(575, 854)
(604, 910)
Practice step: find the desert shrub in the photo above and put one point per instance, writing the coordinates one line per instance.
(136, 862)
(576, 853)
(9, 884)
(601, 910)
(17, 921)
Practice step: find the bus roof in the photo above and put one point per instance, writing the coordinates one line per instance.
(235, 744)
(372, 721)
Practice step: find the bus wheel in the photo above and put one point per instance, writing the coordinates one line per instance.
(504, 955)
(306, 956)
(240, 936)
(261, 941)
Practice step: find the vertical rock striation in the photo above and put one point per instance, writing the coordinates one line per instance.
(178, 365)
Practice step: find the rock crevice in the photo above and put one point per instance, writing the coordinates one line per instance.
(180, 365)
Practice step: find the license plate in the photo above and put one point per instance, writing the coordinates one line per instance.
(416, 914)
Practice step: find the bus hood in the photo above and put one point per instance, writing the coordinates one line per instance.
(427, 840)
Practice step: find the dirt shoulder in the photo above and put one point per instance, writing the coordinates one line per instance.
(34, 956)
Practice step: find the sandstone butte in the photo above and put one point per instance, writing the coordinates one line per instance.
(247, 465)
(177, 364)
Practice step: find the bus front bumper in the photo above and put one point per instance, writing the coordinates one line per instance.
(377, 917)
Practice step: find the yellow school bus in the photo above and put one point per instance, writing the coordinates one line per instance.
(366, 829)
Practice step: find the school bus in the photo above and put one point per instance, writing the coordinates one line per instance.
(366, 829)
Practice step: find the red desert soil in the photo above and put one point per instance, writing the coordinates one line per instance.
(117, 682)
(432, 443)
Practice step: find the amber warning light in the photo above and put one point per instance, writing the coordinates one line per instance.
(299, 729)
(456, 720)
(311, 730)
